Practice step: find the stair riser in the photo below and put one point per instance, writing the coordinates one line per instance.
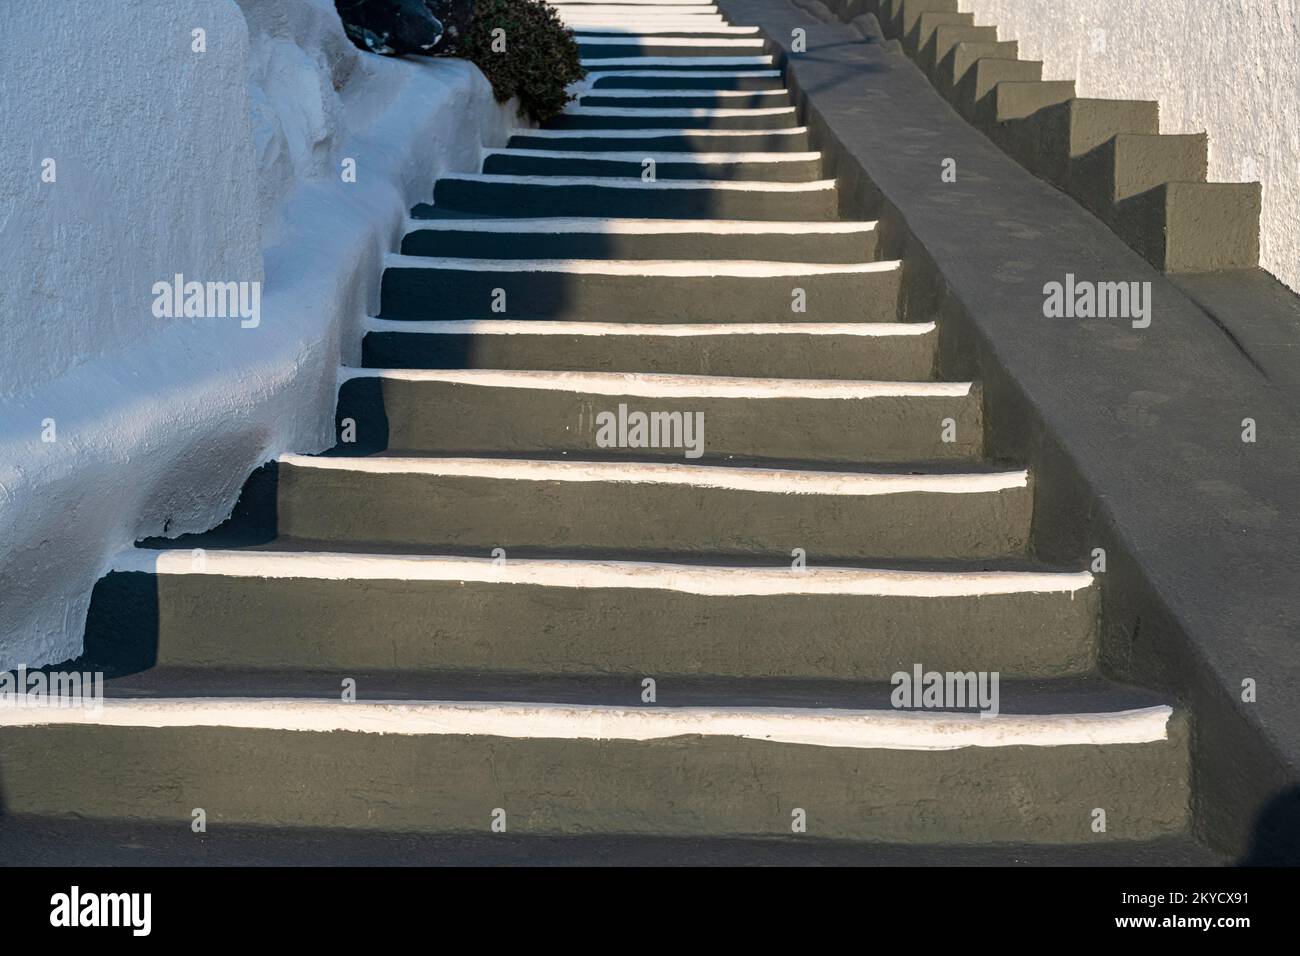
(686, 786)
(590, 51)
(428, 293)
(526, 199)
(777, 247)
(907, 358)
(212, 621)
(781, 120)
(757, 142)
(685, 81)
(704, 100)
(453, 514)
(789, 172)
(596, 66)
(455, 418)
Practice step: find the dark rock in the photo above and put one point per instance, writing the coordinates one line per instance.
(393, 26)
(455, 16)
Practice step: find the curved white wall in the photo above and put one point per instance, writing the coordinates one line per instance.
(223, 165)
(1228, 67)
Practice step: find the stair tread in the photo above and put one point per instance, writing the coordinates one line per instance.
(1027, 697)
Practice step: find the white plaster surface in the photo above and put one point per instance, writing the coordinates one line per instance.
(222, 166)
(1229, 67)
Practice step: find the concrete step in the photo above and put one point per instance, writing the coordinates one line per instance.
(1047, 141)
(1129, 164)
(557, 766)
(794, 139)
(1194, 227)
(478, 504)
(920, 37)
(1014, 100)
(640, 290)
(945, 37)
(687, 98)
(594, 46)
(969, 96)
(615, 117)
(961, 60)
(720, 79)
(629, 197)
(768, 167)
(593, 238)
(879, 351)
(763, 62)
(488, 412)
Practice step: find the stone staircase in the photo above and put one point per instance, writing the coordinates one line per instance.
(645, 490)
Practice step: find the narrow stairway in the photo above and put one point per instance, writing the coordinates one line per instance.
(645, 490)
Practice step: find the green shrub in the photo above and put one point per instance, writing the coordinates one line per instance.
(539, 59)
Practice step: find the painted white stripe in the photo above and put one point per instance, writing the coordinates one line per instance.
(623, 4)
(659, 385)
(649, 7)
(656, 26)
(667, 330)
(683, 61)
(816, 727)
(587, 39)
(683, 578)
(695, 74)
(772, 480)
(635, 182)
(639, 227)
(678, 94)
(616, 156)
(653, 133)
(698, 112)
(677, 268)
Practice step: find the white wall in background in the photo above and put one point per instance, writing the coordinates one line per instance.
(1227, 67)
(222, 165)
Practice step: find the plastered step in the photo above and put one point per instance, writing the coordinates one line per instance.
(1194, 227)
(639, 290)
(1131, 164)
(650, 79)
(984, 76)
(794, 139)
(633, 117)
(947, 36)
(480, 411)
(632, 197)
(768, 167)
(1049, 140)
(695, 99)
(1015, 100)
(448, 235)
(919, 37)
(557, 767)
(961, 59)
(877, 351)
(594, 46)
(480, 503)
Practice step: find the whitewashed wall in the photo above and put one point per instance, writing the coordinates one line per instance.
(1229, 67)
(222, 165)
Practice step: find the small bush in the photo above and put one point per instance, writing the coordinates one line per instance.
(539, 60)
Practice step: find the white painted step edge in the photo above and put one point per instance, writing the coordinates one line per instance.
(818, 727)
(658, 157)
(666, 329)
(655, 385)
(705, 580)
(639, 227)
(652, 133)
(650, 112)
(694, 74)
(587, 39)
(678, 268)
(657, 26)
(618, 93)
(772, 480)
(681, 61)
(635, 182)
